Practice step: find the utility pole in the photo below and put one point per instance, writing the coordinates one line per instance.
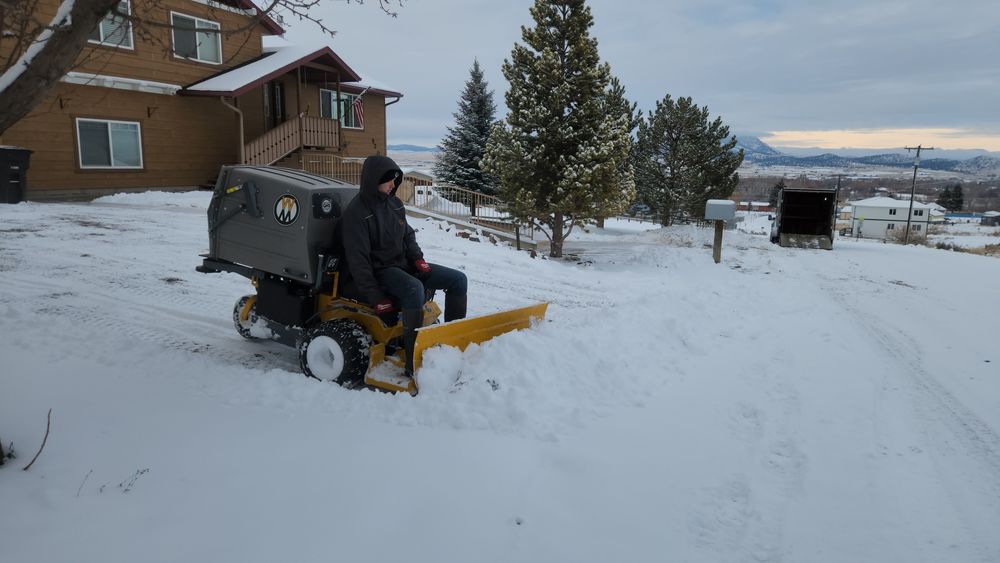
(913, 187)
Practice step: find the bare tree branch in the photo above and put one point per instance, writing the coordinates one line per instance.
(48, 425)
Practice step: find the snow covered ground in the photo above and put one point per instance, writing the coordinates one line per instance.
(784, 405)
(966, 235)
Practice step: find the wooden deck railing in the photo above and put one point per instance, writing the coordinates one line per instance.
(332, 166)
(453, 201)
(290, 136)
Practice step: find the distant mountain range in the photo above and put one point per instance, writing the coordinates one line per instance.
(760, 153)
(412, 148)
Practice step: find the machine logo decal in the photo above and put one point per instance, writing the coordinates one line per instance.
(286, 209)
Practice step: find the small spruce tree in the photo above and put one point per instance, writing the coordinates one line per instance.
(463, 147)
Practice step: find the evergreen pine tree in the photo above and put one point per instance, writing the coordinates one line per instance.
(463, 147)
(952, 198)
(957, 198)
(945, 198)
(617, 104)
(561, 155)
(773, 199)
(684, 159)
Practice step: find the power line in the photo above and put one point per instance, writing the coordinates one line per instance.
(913, 187)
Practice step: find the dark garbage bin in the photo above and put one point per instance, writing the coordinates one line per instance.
(13, 174)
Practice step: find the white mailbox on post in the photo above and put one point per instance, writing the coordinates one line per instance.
(720, 211)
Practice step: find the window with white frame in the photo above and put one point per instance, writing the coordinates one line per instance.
(104, 143)
(114, 30)
(196, 39)
(892, 212)
(348, 115)
(890, 226)
(918, 212)
(917, 228)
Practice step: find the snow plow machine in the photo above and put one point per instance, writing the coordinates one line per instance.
(275, 226)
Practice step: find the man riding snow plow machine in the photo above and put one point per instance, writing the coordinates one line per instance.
(275, 226)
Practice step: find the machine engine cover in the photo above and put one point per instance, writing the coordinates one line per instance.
(275, 219)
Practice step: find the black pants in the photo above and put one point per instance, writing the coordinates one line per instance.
(407, 292)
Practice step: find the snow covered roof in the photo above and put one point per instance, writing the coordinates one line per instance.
(280, 57)
(251, 6)
(888, 202)
(991, 214)
(273, 43)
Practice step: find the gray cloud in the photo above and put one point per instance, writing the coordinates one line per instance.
(762, 65)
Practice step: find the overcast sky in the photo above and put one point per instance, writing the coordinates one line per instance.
(795, 72)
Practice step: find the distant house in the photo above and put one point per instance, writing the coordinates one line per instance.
(990, 219)
(938, 212)
(167, 108)
(761, 206)
(879, 217)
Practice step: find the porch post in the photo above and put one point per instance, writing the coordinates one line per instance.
(340, 121)
(239, 116)
(298, 102)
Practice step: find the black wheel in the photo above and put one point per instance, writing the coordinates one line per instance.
(244, 327)
(335, 351)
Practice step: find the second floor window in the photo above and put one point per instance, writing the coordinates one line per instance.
(918, 212)
(892, 212)
(196, 39)
(114, 30)
(350, 115)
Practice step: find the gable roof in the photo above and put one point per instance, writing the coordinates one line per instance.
(247, 76)
(279, 58)
(888, 202)
(274, 43)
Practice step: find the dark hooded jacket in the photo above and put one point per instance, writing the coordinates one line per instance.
(374, 230)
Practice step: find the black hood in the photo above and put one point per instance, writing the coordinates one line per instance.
(374, 168)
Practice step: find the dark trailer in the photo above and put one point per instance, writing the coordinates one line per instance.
(805, 217)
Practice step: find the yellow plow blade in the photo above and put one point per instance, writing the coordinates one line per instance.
(475, 330)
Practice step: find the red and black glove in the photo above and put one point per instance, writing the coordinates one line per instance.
(423, 268)
(384, 307)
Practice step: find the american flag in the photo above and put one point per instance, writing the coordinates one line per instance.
(359, 110)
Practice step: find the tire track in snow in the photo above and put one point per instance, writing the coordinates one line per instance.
(949, 422)
(131, 316)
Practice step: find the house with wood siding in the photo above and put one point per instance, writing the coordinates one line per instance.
(167, 110)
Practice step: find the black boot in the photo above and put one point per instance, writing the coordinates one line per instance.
(412, 320)
(454, 307)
